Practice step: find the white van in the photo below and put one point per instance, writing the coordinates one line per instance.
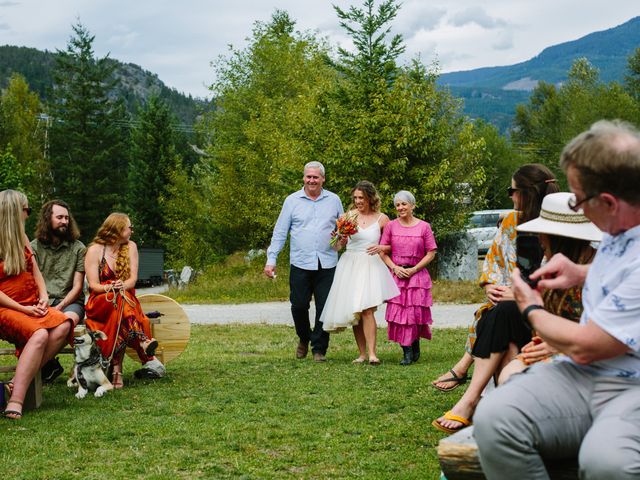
(483, 225)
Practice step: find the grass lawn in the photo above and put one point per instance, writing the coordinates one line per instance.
(238, 281)
(237, 404)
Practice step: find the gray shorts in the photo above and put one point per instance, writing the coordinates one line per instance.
(72, 307)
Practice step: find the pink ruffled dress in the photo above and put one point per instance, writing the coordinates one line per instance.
(409, 314)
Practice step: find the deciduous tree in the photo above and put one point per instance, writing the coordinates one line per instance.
(22, 136)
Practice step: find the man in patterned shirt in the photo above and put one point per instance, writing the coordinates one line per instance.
(586, 404)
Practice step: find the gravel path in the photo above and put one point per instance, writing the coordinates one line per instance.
(279, 313)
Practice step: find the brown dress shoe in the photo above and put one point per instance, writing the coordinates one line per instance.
(302, 350)
(318, 357)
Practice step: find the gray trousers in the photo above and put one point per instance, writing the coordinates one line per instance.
(557, 410)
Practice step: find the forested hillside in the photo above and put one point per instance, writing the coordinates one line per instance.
(134, 85)
(492, 93)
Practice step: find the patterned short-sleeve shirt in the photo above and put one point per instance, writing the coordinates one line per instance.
(611, 298)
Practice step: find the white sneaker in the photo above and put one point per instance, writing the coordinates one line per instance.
(152, 369)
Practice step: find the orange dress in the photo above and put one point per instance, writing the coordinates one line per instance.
(17, 327)
(104, 314)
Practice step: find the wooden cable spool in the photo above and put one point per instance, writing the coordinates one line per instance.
(171, 329)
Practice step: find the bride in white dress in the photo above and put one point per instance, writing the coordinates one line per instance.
(362, 281)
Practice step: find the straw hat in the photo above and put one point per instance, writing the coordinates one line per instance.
(556, 218)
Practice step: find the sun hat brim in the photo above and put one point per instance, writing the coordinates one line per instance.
(563, 225)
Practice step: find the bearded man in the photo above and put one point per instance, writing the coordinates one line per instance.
(60, 257)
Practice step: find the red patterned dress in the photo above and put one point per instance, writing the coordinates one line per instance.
(122, 320)
(17, 327)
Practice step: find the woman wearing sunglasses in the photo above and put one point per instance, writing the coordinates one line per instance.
(26, 320)
(497, 334)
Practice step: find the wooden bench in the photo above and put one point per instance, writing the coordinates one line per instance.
(33, 398)
(458, 455)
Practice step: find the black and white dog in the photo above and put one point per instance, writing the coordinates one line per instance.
(90, 367)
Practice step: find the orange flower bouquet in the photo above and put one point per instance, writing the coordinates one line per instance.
(346, 225)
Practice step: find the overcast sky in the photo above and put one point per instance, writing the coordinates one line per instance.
(178, 39)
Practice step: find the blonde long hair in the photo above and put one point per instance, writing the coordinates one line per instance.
(12, 231)
(108, 234)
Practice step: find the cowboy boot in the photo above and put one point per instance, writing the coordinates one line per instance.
(407, 359)
(415, 347)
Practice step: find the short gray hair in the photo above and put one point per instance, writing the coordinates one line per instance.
(404, 196)
(315, 164)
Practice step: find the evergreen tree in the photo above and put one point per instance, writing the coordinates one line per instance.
(394, 126)
(375, 56)
(153, 160)
(88, 134)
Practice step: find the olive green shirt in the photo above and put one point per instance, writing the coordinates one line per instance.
(58, 264)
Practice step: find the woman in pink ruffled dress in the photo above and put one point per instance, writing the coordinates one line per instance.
(413, 247)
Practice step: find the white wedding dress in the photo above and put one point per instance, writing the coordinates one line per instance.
(361, 281)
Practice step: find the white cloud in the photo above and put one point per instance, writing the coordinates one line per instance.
(478, 16)
(178, 40)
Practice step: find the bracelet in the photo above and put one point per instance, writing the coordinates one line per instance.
(527, 311)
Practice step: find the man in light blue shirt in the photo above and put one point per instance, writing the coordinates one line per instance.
(309, 215)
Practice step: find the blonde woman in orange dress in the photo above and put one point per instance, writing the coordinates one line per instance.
(111, 266)
(26, 320)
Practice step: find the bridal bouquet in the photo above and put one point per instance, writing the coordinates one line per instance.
(346, 225)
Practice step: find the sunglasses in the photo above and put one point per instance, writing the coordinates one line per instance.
(575, 205)
(28, 210)
(511, 191)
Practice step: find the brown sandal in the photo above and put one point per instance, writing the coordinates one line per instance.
(116, 380)
(12, 414)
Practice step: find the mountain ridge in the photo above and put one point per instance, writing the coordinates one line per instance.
(135, 84)
(492, 93)
(607, 50)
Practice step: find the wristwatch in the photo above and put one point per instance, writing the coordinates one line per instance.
(527, 311)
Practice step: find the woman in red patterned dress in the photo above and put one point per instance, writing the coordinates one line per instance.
(37, 331)
(111, 266)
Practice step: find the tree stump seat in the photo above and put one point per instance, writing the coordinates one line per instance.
(33, 398)
(458, 455)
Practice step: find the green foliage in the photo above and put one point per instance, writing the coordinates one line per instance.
(632, 79)
(192, 237)
(282, 103)
(555, 115)
(22, 132)
(411, 136)
(267, 95)
(500, 161)
(88, 135)
(11, 175)
(153, 160)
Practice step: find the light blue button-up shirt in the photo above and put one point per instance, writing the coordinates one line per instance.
(310, 223)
